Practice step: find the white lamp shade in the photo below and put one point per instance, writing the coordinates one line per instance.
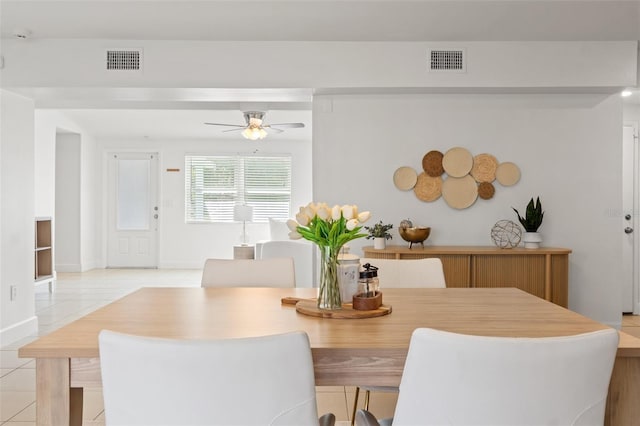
(242, 213)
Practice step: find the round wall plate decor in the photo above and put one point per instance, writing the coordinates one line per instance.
(508, 174)
(460, 193)
(428, 188)
(405, 178)
(484, 168)
(432, 163)
(457, 162)
(486, 190)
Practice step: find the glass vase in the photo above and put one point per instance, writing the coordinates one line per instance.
(329, 292)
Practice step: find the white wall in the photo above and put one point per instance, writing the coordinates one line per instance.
(67, 203)
(631, 113)
(17, 317)
(188, 245)
(80, 63)
(568, 149)
(48, 123)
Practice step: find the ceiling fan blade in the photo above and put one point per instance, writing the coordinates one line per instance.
(286, 125)
(228, 125)
(233, 130)
(274, 130)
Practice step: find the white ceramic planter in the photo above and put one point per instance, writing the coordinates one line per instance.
(379, 243)
(531, 240)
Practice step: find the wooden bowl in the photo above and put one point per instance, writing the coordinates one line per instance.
(415, 235)
(363, 303)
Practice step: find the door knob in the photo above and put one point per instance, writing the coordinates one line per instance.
(628, 217)
(628, 230)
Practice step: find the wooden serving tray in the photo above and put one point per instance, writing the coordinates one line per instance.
(309, 307)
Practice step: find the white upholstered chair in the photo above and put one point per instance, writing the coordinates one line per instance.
(275, 272)
(458, 379)
(401, 273)
(408, 273)
(300, 251)
(152, 381)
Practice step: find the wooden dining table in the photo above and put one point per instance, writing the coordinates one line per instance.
(369, 351)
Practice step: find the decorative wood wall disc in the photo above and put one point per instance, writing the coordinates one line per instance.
(486, 190)
(508, 174)
(484, 168)
(432, 163)
(428, 188)
(456, 176)
(460, 193)
(405, 178)
(457, 162)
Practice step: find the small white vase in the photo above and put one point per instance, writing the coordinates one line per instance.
(379, 243)
(531, 240)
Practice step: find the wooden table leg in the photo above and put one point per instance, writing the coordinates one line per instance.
(75, 407)
(623, 406)
(56, 402)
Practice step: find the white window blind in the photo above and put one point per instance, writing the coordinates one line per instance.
(214, 184)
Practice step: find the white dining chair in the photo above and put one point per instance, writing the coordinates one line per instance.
(400, 273)
(409, 273)
(301, 251)
(458, 379)
(274, 272)
(153, 381)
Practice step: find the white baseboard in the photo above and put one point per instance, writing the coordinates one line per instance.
(87, 266)
(70, 267)
(181, 265)
(19, 331)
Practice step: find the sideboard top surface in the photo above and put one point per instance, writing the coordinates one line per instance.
(478, 250)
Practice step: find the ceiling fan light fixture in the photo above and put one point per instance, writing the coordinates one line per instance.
(254, 133)
(254, 128)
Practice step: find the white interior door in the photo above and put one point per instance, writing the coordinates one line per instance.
(133, 210)
(630, 204)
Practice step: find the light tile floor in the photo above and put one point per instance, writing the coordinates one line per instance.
(78, 294)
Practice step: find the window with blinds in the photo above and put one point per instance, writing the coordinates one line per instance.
(214, 184)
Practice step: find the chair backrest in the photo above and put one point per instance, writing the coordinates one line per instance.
(409, 273)
(301, 251)
(249, 381)
(276, 272)
(460, 379)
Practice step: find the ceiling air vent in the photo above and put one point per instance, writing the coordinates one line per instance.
(124, 59)
(447, 60)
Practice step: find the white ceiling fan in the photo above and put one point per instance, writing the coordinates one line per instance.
(255, 128)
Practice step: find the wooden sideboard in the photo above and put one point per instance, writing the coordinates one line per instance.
(543, 272)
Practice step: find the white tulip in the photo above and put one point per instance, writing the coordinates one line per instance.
(302, 219)
(355, 211)
(294, 235)
(347, 211)
(310, 210)
(351, 224)
(364, 216)
(323, 213)
(292, 225)
(336, 212)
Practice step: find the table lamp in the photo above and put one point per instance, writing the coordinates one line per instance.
(243, 213)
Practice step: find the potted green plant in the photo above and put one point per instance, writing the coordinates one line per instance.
(531, 222)
(380, 234)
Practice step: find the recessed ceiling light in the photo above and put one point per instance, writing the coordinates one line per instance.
(625, 93)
